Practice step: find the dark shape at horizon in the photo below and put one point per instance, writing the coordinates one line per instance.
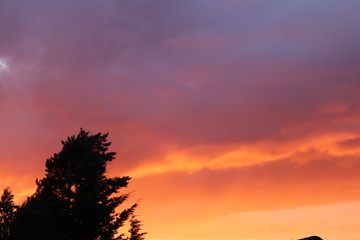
(7, 213)
(311, 238)
(76, 200)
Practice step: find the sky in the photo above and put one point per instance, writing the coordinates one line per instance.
(236, 119)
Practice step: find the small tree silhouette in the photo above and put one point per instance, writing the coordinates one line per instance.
(76, 200)
(135, 230)
(7, 213)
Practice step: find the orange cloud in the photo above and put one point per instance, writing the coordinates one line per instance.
(222, 157)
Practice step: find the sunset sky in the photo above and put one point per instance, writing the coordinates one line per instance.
(236, 119)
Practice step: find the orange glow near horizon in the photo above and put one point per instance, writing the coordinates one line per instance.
(229, 213)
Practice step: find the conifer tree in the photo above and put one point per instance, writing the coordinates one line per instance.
(76, 200)
(7, 213)
(135, 230)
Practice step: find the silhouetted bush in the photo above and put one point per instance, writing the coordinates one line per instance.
(311, 238)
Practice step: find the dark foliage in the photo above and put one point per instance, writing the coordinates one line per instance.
(7, 213)
(135, 230)
(76, 200)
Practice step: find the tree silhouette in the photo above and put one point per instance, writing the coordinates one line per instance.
(39, 218)
(135, 230)
(76, 200)
(7, 213)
